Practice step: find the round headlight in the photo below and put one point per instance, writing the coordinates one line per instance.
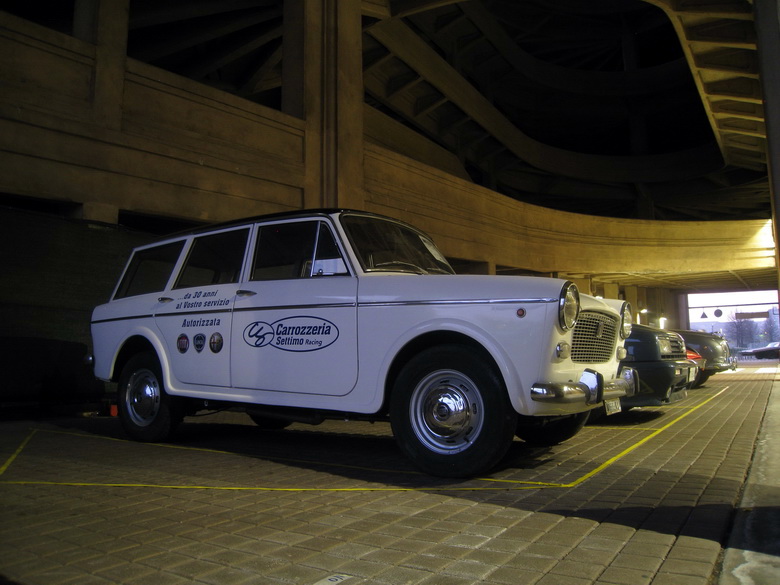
(626, 320)
(569, 306)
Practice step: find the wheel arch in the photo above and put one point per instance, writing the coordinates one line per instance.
(433, 339)
(132, 346)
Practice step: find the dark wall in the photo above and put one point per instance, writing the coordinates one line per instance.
(53, 271)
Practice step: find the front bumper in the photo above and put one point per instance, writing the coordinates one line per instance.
(658, 379)
(590, 389)
(723, 365)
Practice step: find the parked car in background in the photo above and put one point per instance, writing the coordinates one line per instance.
(661, 362)
(697, 359)
(714, 349)
(768, 352)
(307, 316)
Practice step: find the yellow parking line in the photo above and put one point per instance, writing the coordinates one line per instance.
(13, 457)
(516, 484)
(633, 447)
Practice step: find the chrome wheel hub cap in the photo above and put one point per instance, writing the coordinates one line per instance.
(446, 411)
(142, 398)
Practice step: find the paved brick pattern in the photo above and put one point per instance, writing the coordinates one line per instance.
(644, 497)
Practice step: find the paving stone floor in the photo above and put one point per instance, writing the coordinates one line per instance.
(644, 497)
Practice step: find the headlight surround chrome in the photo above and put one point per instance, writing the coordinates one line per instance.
(626, 321)
(568, 306)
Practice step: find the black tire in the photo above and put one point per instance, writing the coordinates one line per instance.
(549, 431)
(146, 411)
(269, 423)
(450, 412)
(700, 379)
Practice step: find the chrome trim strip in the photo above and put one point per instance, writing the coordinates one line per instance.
(296, 307)
(239, 310)
(342, 306)
(457, 302)
(178, 313)
(169, 314)
(113, 319)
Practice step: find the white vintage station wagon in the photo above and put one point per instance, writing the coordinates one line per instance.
(344, 314)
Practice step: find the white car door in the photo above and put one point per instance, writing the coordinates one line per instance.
(295, 316)
(195, 316)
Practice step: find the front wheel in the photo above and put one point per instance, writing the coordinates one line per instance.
(450, 412)
(701, 378)
(146, 411)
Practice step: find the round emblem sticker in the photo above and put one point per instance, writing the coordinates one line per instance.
(183, 343)
(215, 343)
(199, 341)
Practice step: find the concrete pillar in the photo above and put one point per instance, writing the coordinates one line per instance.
(611, 291)
(293, 63)
(110, 57)
(632, 296)
(323, 83)
(85, 20)
(683, 316)
(767, 19)
(583, 284)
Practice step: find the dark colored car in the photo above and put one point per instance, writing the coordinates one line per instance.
(768, 352)
(714, 349)
(659, 357)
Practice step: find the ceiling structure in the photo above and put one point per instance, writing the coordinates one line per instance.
(647, 109)
(591, 107)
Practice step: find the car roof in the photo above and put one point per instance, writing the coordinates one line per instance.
(300, 213)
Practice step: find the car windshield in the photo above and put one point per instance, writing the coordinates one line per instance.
(387, 246)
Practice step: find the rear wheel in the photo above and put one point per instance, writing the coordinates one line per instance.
(146, 411)
(548, 431)
(450, 412)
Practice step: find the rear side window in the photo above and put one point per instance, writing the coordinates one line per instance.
(149, 270)
(214, 259)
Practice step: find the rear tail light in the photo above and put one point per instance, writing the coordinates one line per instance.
(692, 355)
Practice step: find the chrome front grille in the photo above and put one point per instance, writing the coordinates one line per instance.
(594, 338)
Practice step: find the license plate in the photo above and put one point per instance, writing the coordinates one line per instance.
(612, 406)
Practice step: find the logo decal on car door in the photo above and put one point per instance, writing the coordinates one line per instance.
(301, 333)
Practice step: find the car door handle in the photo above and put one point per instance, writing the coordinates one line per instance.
(245, 293)
(164, 299)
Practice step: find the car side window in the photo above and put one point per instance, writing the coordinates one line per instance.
(296, 250)
(149, 270)
(214, 259)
